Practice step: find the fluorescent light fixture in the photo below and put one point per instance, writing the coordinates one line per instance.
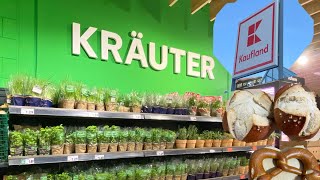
(317, 73)
(303, 60)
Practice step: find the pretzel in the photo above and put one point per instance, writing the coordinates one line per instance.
(310, 169)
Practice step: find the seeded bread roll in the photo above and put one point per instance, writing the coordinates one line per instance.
(249, 115)
(296, 112)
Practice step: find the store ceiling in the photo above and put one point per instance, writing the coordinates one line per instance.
(215, 6)
(310, 68)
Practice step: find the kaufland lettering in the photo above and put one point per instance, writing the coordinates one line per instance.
(253, 54)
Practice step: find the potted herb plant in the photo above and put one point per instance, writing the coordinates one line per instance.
(232, 169)
(162, 171)
(163, 105)
(16, 143)
(156, 137)
(139, 138)
(226, 167)
(92, 140)
(220, 168)
(114, 139)
(237, 170)
(214, 164)
(122, 174)
(200, 141)
(33, 90)
(131, 173)
(63, 176)
(141, 174)
(123, 140)
(227, 140)
(200, 169)
(192, 105)
(100, 100)
(206, 169)
(156, 103)
(80, 141)
(179, 103)
(67, 95)
(170, 104)
(131, 140)
(57, 140)
(216, 136)
(184, 173)
(179, 170)
(203, 108)
(207, 135)
(30, 138)
(69, 143)
(147, 101)
(154, 173)
(192, 136)
(215, 105)
(103, 140)
(247, 166)
(44, 141)
(243, 164)
(123, 103)
(135, 100)
(170, 171)
(81, 96)
(181, 140)
(163, 134)
(170, 138)
(48, 95)
(17, 90)
(92, 99)
(184, 109)
(111, 99)
(147, 141)
(192, 170)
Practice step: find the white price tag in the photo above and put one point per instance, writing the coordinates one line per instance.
(72, 158)
(93, 114)
(99, 156)
(28, 161)
(193, 118)
(137, 116)
(212, 150)
(37, 89)
(113, 99)
(160, 153)
(27, 111)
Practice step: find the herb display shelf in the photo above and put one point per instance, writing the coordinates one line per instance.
(59, 112)
(244, 176)
(48, 159)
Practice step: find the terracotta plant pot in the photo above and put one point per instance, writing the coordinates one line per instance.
(208, 143)
(170, 145)
(265, 142)
(92, 148)
(249, 144)
(177, 177)
(260, 143)
(231, 172)
(225, 143)
(103, 147)
(270, 142)
(81, 148)
(200, 143)
(113, 147)
(111, 107)
(138, 147)
(122, 147)
(243, 143)
(68, 148)
(184, 176)
(136, 109)
(169, 177)
(100, 107)
(162, 178)
(163, 145)
(155, 146)
(81, 105)
(254, 143)
(147, 146)
(91, 106)
(131, 146)
(216, 143)
(236, 143)
(242, 169)
(246, 170)
(57, 149)
(225, 172)
(180, 144)
(191, 143)
(67, 104)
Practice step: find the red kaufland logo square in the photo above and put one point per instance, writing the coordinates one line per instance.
(252, 37)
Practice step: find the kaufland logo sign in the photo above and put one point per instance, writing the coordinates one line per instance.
(257, 42)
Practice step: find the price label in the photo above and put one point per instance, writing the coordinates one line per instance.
(160, 153)
(98, 156)
(72, 158)
(93, 114)
(27, 111)
(242, 176)
(37, 89)
(27, 161)
(229, 149)
(254, 148)
(212, 150)
(137, 116)
(113, 99)
(193, 118)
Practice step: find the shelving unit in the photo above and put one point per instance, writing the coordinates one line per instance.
(244, 176)
(48, 159)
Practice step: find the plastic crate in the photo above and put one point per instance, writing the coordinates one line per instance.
(4, 137)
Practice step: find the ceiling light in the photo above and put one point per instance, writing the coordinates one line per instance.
(303, 60)
(317, 73)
